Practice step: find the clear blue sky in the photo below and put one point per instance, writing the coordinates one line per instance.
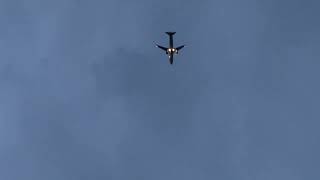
(85, 94)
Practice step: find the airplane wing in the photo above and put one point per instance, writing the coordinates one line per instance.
(180, 47)
(161, 47)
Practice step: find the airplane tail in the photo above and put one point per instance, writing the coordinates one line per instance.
(170, 33)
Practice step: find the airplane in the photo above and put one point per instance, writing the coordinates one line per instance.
(170, 50)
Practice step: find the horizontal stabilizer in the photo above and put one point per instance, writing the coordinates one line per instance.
(170, 33)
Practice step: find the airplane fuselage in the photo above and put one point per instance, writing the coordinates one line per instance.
(171, 50)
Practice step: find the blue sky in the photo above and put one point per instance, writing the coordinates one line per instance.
(86, 95)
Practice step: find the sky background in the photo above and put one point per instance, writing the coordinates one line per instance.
(85, 94)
